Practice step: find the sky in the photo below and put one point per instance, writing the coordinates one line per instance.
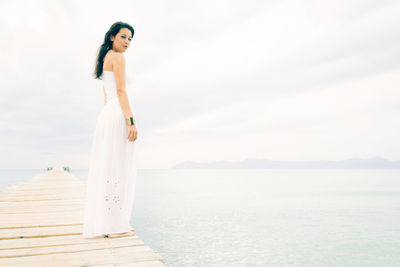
(212, 80)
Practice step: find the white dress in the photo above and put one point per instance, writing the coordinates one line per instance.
(112, 170)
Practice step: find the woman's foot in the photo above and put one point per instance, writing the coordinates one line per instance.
(130, 233)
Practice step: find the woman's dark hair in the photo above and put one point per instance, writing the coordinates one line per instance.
(107, 45)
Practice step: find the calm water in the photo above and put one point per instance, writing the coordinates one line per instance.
(271, 217)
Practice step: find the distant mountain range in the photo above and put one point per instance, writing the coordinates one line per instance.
(253, 163)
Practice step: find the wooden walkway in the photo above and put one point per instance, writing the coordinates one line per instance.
(41, 225)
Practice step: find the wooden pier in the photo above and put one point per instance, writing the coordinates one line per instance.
(41, 225)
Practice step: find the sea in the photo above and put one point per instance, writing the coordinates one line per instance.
(264, 217)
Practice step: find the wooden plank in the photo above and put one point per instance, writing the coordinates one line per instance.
(41, 189)
(31, 208)
(88, 257)
(53, 196)
(41, 219)
(39, 204)
(42, 231)
(59, 240)
(66, 247)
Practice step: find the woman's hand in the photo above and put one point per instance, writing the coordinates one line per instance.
(132, 133)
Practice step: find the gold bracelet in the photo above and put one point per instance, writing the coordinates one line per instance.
(130, 121)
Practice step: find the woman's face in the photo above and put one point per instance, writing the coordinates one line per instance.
(122, 40)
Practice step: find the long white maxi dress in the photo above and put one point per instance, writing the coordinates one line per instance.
(112, 170)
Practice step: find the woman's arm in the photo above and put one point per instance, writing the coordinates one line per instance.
(119, 74)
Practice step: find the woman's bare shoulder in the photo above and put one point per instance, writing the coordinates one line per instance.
(115, 55)
(118, 57)
(118, 60)
(113, 58)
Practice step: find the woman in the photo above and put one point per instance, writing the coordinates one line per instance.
(112, 170)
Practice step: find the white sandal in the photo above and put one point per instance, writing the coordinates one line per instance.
(130, 233)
